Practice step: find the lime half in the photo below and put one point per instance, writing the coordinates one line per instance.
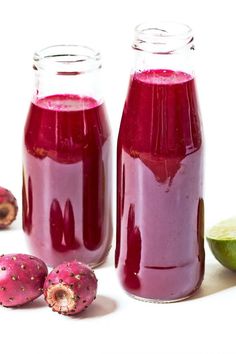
(222, 241)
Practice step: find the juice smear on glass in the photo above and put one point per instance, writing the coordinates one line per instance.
(160, 216)
(66, 182)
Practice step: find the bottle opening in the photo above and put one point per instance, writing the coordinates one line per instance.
(67, 59)
(162, 37)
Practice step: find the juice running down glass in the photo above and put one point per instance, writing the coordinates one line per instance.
(160, 210)
(66, 168)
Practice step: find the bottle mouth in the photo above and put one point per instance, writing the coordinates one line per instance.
(67, 59)
(162, 37)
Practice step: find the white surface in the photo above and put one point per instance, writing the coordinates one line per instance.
(116, 323)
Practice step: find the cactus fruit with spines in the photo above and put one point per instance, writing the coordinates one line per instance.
(8, 208)
(70, 288)
(22, 278)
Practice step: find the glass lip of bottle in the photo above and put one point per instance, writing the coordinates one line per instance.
(163, 37)
(67, 59)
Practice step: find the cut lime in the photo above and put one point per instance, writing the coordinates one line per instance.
(222, 241)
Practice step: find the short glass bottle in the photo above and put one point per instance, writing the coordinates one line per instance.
(67, 159)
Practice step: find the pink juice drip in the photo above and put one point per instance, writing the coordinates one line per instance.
(160, 216)
(67, 190)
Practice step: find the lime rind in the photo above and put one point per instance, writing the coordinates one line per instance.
(222, 242)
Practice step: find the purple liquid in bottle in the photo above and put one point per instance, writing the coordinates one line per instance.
(67, 190)
(160, 216)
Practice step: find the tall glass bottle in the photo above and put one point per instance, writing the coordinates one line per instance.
(160, 210)
(66, 168)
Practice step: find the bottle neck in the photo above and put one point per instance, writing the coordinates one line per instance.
(165, 46)
(67, 70)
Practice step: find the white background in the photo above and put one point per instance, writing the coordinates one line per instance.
(115, 323)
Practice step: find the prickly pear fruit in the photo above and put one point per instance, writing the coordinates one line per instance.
(8, 208)
(70, 288)
(21, 279)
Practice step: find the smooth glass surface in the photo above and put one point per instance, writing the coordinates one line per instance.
(160, 210)
(67, 182)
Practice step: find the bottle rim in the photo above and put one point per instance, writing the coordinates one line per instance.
(162, 37)
(67, 59)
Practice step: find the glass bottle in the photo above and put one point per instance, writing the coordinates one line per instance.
(66, 167)
(160, 210)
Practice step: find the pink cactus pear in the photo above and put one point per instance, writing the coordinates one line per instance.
(8, 208)
(70, 288)
(21, 279)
